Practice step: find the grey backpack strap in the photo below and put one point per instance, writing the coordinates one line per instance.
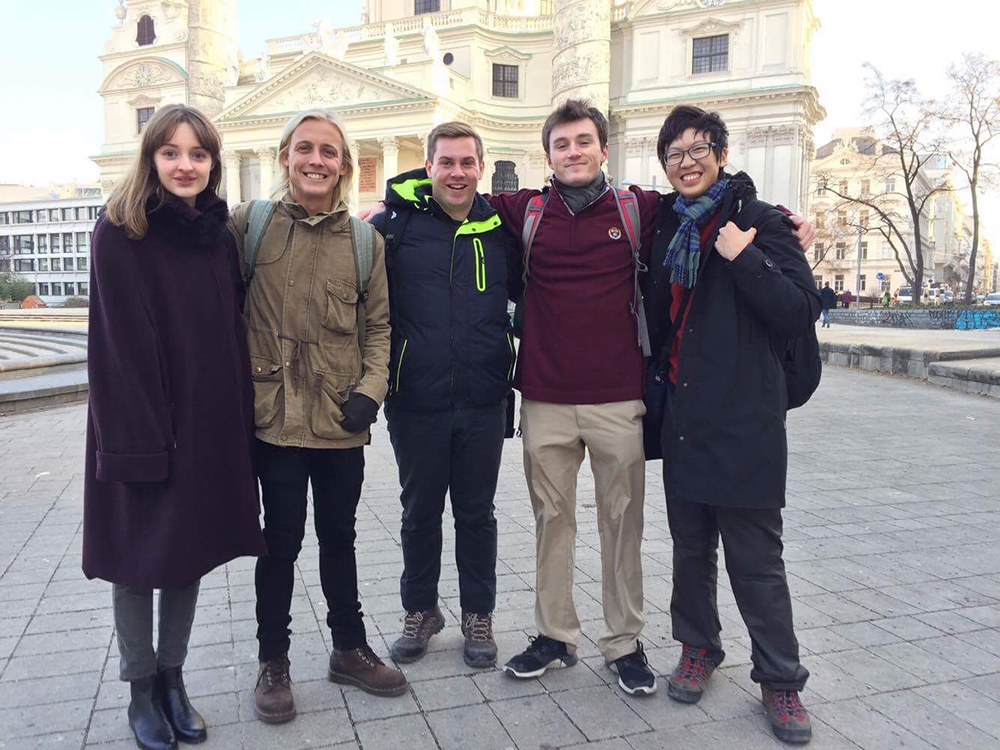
(258, 217)
(363, 242)
(628, 212)
(532, 218)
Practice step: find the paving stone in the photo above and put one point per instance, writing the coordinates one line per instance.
(601, 712)
(966, 704)
(866, 727)
(926, 719)
(469, 727)
(450, 692)
(311, 730)
(536, 723)
(410, 732)
(29, 721)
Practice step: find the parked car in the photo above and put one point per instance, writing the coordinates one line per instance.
(947, 297)
(992, 299)
(905, 295)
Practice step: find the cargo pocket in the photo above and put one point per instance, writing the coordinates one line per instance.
(341, 307)
(328, 395)
(268, 382)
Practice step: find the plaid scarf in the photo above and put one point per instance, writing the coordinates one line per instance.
(684, 250)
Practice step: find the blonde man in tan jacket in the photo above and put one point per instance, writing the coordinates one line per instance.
(318, 386)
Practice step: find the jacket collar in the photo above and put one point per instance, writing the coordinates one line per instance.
(337, 217)
(413, 189)
(201, 223)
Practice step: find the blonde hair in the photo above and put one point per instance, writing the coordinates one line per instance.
(126, 207)
(453, 130)
(343, 188)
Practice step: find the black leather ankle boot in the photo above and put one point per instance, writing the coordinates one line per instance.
(187, 723)
(145, 717)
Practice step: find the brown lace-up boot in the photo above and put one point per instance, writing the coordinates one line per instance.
(480, 647)
(362, 668)
(273, 701)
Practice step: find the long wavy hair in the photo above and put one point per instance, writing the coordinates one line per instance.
(127, 205)
(343, 188)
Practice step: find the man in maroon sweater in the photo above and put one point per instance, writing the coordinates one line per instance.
(580, 372)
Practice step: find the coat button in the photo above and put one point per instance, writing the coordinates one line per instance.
(690, 330)
(291, 282)
(682, 438)
(288, 364)
(768, 263)
(256, 369)
(685, 385)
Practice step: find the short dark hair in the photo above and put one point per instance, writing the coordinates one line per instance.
(570, 111)
(684, 117)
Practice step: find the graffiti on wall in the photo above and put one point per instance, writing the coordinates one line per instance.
(968, 319)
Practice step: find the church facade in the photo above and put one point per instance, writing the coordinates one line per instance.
(499, 65)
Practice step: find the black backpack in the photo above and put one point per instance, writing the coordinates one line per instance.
(799, 356)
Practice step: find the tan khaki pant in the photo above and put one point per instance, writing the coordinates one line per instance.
(554, 437)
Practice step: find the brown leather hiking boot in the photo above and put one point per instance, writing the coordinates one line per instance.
(273, 701)
(687, 681)
(480, 647)
(789, 719)
(362, 668)
(418, 627)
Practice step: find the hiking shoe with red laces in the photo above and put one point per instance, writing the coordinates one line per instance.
(687, 682)
(789, 718)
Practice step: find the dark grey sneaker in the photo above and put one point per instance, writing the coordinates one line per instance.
(543, 653)
(418, 627)
(480, 647)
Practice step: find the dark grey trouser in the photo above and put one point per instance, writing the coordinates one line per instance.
(751, 538)
(134, 627)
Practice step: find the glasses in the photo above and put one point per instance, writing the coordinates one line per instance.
(697, 151)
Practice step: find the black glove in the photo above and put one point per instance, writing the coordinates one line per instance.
(359, 412)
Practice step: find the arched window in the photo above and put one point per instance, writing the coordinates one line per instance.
(145, 34)
(504, 177)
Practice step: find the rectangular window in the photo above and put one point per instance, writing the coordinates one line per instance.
(4, 245)
(23, 217)
(711, 54)
(886, 283)
(83, 289)
(54, 242)
(844, 187)
(92, 212)
(43, 290)
(24, 265)
(70, 290)
(42, 244)
(864, 252)
(866, 187)
(81, 264)
(57, 289)
(842, 218)
(890, 185)
(81, 242)
(818, 252)
(142, 115)
(426, 6)
(863, 216)
(23, 244)
(862, 282)
(43, 264)
(41, 215)
(57, 264)
(4, 217)
(838, 283)
(505, 80)
(841, 251)
(818, 280)
(820, 219)
(67, 264)
(68, 241)
(80, 212)
(67, 214)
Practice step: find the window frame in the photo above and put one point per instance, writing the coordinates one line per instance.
(504, 82)
(711, 55)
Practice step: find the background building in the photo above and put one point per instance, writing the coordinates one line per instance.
(47, 241)
(497, 64)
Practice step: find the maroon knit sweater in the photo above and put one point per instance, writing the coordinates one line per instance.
(580, 342)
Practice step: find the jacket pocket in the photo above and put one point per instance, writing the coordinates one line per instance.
(268, 383)
(325, 415)
(480, 261)
(341, 307)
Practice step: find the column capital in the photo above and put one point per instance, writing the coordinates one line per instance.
(267, 152)
(389, 143)
(231, 158)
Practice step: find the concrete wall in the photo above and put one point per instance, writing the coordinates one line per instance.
(963, 319)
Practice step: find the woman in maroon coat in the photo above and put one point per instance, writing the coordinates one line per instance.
(170, 491)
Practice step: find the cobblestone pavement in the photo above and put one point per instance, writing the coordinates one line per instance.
(893, 547)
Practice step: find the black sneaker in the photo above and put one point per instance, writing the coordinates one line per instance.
(543, 653)
(634, 675)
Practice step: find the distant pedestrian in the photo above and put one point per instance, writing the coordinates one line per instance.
(169, 488)
(829, 299)
(885, 298)
(847, 298)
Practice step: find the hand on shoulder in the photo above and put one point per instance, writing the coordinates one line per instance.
(732, 240)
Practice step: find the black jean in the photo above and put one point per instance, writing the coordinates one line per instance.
(457, 452)
(336, 477)
(751, 538)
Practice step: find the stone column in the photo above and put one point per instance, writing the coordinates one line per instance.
(581, 65)
(266, 156)
(212, 53)
(390, 157)
(231, 159)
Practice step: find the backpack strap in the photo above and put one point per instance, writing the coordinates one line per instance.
(628, 212)
(258, 219)
(532, 218)
(363, 242)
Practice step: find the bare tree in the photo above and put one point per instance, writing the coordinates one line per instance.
(903, 143)
(971, 112)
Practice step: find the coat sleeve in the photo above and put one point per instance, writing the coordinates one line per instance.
(375, 357)
(129, 402)
(774, 277)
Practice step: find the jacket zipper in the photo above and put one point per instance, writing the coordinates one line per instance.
(477, 247)
(399, 364)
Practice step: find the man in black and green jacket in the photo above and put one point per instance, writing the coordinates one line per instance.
(451, 270)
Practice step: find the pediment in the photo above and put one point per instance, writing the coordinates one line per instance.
(318, 80)
(711, 27)
(143, 74)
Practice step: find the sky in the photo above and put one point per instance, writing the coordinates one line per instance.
(54, 117)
